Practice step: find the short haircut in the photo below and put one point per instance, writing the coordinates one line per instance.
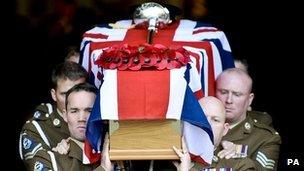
(80, 87)
(68, 70)
(239, 72)
(71, 52)
(242, 62)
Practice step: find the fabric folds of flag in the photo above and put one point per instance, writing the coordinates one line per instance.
(208, 46)
(166, 94)
(150, 94)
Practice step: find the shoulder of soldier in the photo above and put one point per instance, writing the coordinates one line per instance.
(43, 112)
(266, 129)
(262, 117)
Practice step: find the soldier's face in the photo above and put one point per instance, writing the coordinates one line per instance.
(79, 107)
(58, 94)
(215, 113)
(233, 89)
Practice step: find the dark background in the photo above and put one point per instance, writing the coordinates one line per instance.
(266, 33)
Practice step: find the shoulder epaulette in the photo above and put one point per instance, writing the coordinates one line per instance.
(43, 111)
(265, 127)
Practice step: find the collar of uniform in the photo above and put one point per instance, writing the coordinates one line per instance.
(76, 149)
(239, 131)
(231, 126)
(59, 113)
(245, 125)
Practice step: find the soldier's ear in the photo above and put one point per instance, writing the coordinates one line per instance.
(226, 128)
(64, 115)
(251, 96)
(53, 93)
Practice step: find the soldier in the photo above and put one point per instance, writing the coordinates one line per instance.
(47, 127)
(215, 112)
(255, 140)
(79, 103)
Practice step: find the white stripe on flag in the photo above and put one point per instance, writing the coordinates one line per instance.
(205, 27)
(184, 31)
(108, 95)
(113, 34)
(194, 81)
(216, 60)
(124, 23)
(198, 142)
(206, 74)
(213, 35)
(95, 69)
(97, 30)
(203, 62)
(199, 53)
(177, 93)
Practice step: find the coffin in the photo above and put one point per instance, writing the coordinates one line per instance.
(144, 139)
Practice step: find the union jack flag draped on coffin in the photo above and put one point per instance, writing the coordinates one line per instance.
(172, 94)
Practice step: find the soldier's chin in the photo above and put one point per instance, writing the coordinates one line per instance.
(81, 137)
(228, 114)
(229, 117)
(81, 130)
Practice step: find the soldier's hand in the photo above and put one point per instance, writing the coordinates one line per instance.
(63, 147)
(105, 160)
(185, 160)
(229, 150)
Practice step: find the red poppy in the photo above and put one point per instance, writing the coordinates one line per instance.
(159, 56)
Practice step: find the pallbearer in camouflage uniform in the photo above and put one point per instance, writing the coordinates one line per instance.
(250, 138)
(215, 112)
(47, 127)
(79, 103)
